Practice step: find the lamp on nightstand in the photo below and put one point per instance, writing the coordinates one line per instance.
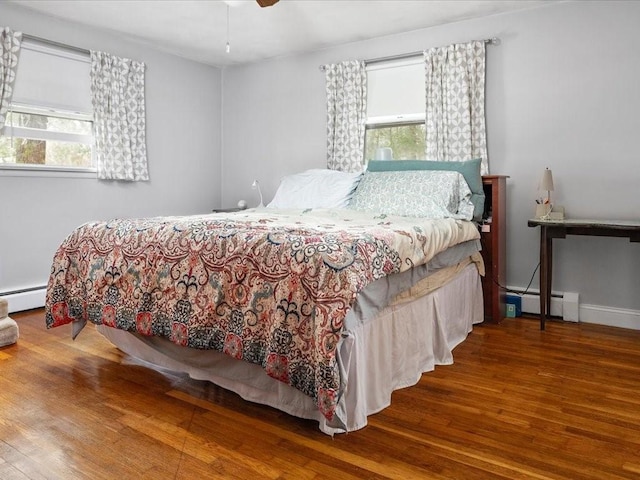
(547, 183)
(544, 208)
(256, 185)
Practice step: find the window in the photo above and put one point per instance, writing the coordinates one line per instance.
(396, 111)
(49, 125)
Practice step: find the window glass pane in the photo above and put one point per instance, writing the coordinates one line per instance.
(407, 142)
(22, 151)
(68, 154)
(49, 123)
(7, 152)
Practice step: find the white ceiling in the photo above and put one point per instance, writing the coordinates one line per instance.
(197, 29)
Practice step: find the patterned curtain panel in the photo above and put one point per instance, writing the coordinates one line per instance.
(455, 122)
(117, 95)
(9, 52)
(346, 115)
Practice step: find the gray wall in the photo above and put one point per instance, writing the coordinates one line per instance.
(561, 93)
(183, 102)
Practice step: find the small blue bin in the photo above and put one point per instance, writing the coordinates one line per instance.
(514, 305)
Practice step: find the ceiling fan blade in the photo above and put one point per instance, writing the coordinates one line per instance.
(267, 3)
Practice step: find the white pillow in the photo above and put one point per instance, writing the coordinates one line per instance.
(316, 188)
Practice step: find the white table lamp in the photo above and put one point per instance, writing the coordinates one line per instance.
(256, 186)
(545, 209)
(547, 183)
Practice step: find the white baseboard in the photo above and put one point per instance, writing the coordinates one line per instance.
(25, 300)
(614, 317)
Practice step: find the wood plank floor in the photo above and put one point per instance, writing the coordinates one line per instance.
(518, 403)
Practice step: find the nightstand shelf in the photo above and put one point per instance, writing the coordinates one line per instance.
(494, 247)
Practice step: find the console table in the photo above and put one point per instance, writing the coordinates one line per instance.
(550, 229)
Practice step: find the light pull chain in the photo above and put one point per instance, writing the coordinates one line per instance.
(228, 48)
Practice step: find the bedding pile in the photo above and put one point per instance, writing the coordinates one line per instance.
(271, 287)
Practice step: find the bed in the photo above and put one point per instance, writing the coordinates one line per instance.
(320, 312)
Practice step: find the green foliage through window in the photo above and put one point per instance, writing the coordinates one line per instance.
(407, 141)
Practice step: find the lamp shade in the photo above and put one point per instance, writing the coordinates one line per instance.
(547, 181)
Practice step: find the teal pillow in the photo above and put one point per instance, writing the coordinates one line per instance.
(470, 170)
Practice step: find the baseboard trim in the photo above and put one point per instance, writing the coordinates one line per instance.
(611, 316)
(26, 299)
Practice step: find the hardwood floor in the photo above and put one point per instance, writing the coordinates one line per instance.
(517, 403)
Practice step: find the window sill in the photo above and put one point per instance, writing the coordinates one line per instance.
(52, 172)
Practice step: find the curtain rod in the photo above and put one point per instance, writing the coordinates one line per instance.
(53, 43)
(489, 41)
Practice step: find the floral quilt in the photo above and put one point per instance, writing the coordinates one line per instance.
(271, 287)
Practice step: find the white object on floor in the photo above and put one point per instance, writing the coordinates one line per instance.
(4, 308)
(8, 331)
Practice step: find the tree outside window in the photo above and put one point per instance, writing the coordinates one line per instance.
(407, 141)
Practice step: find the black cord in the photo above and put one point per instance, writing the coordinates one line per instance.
(514, 291)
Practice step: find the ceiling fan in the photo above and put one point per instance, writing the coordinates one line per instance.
(267, 3)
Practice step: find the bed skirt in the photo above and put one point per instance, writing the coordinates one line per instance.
(376, 357)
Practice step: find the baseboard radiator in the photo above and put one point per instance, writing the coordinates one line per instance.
(563, 304)
(25, 298)
(566, 305)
